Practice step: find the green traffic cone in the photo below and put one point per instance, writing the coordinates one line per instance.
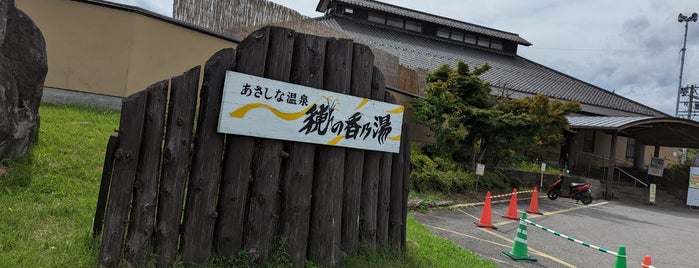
(621, 258)
(519, 249)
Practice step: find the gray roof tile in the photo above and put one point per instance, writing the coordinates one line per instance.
(508, 71)
(418, 15)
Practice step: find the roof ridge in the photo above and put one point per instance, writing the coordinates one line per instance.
(466, 24)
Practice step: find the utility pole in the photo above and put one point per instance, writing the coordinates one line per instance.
(682, 18)
(691, 92)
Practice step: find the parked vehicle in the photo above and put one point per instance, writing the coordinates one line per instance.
(580, 191)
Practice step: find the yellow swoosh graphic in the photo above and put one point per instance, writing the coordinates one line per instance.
(361, 104)
(336, 140)
(398, 110)
(240, 112)
(396, 138)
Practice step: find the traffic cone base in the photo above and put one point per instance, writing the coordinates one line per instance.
(486, 220)
(512, 210)
(519, 248)
(534, 204)
(518, 258)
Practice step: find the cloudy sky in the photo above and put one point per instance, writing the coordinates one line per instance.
(630, 47)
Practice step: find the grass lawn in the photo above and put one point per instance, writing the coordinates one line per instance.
(47, 201)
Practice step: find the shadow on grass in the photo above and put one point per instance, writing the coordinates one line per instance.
(18, 172)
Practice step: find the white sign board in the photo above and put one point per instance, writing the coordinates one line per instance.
(480, 169)
(656, 167)
(261, 107)
(543, 167)
(693, 191)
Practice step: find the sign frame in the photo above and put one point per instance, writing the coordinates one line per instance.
(656, 166)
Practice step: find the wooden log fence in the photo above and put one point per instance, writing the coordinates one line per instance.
(174, 188)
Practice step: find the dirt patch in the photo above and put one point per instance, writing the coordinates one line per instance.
(3, 171)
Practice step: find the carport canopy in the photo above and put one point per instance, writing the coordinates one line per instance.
(657, 131)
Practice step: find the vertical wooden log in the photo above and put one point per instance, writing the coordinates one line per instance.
(396, 207)
(384, 207)
(124, 173)
(370, 181)
(251, 54)
(261, 225)
(232, 202)
(104, 185)
(406, 137)
(362, 67)
(180, 122)
(297, 179)
(200, 208)
(326, 206)
(140, 236)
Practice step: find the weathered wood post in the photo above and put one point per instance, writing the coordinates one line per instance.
(264, 195)
(123, 177)
(297, 180)
(362, 68)
(142, 224)
(396, 211)
(205, 176)
(175, 171)
(370, 178)
(326, 212)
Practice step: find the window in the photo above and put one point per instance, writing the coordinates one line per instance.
(471, 39)
(589, 141)
(458, 36)
(378, 18)
(443, 33)
(496, 45)
(630, 147)
(395, 22)
(484, 42)
(413, 26)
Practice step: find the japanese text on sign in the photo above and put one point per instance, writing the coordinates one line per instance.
(256, 106)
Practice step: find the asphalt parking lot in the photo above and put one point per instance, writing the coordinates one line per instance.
(670, 235)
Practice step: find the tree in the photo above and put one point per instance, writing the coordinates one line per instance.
(546, 123)
(458, 111)
(467, 121)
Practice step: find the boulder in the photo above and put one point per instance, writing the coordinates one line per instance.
(22, 72)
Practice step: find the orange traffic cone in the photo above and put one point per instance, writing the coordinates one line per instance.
(647, 263)
(534, 204)
(486, 220)
(512, 211)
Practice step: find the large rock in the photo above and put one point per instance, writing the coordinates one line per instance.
(22, 73)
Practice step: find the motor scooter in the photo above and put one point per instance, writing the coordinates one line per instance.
(578, 191)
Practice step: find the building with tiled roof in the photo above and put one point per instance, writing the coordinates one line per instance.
(423, 42)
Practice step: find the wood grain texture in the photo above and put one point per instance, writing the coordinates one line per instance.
(326, 209)
(205, 176)
(142, 222)
(251, 54)
(123, 177)
(297, 179)
(175, 171)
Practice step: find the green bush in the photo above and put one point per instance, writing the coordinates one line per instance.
(438, 175)
(677, 175)
(496, 180)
